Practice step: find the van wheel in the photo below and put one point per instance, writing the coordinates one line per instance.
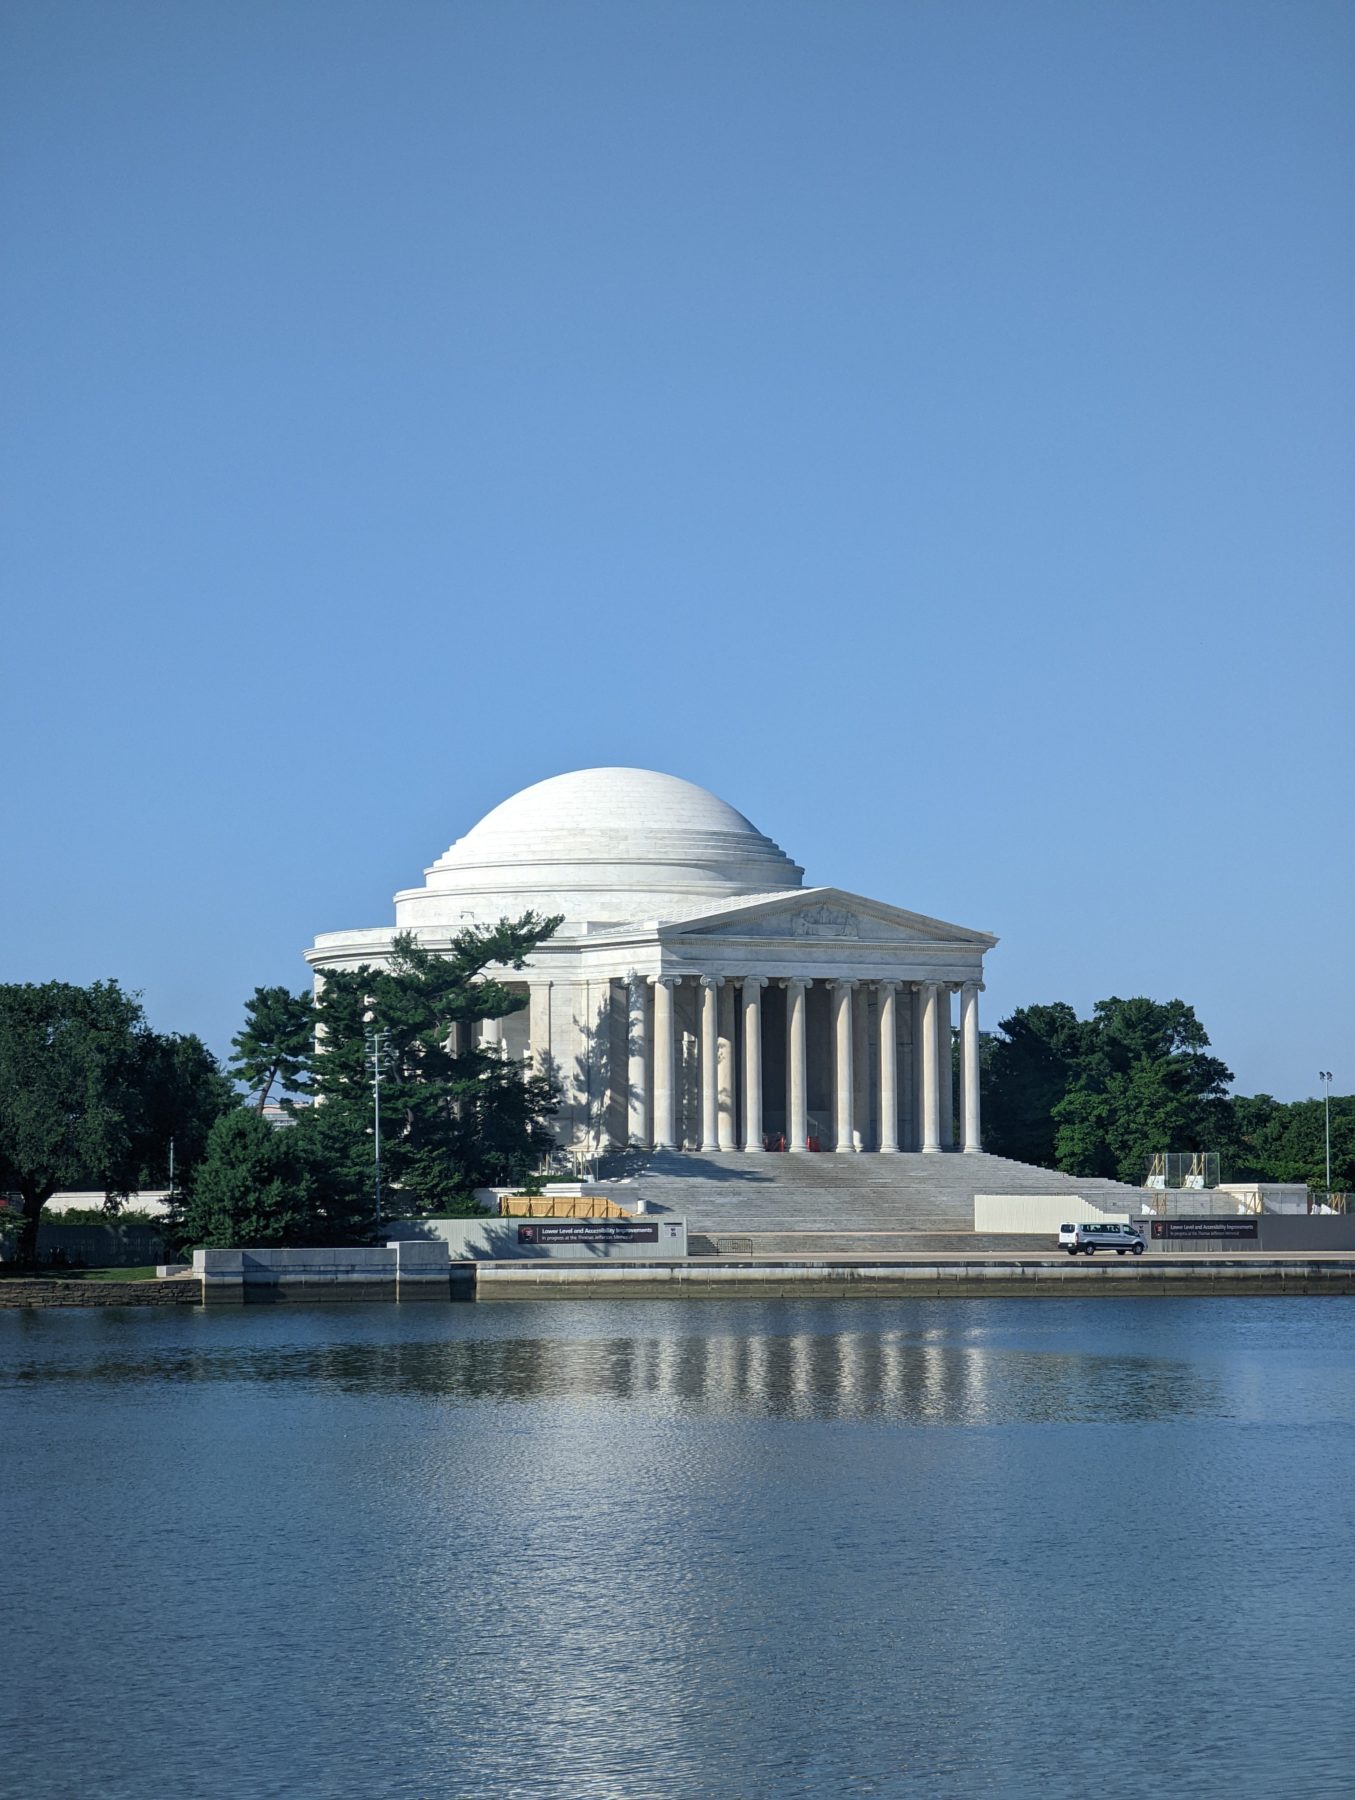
(1119, 1249)
(1138, 1250)
(1072, 1249)
(1090, 1249)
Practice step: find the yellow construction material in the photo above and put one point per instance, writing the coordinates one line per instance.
(560, 1206)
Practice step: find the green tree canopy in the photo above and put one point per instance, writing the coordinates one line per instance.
(1143, 1083)
(182, 1091)
(455, 1116)
(90, 1095)
(1276, 1141)
(260, 1185)
(1099, 1096)
(273, 1047)
(1028, 1066)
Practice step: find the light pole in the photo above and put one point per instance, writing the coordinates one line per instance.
(1324, 1076)
(375, 1042)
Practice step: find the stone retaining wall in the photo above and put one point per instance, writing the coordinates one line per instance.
(100, 1293)
(1052, 1278)
(393, 1271)
(571, 1240)
(917, 1281)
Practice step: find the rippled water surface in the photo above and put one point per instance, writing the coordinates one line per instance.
(937, 1548)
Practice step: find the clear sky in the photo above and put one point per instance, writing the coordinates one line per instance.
(928, 425)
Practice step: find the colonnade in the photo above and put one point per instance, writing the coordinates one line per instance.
(653, 1063)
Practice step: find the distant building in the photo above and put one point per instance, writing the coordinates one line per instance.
(698, 995)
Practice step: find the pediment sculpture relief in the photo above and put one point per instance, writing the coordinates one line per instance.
(825, 922)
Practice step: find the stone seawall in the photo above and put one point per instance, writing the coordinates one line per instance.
(973, 1278)
(178, 1292)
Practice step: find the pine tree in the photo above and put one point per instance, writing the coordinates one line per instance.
(274, 1045)
(455, 1116)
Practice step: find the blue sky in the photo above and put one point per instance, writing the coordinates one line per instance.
(927, 425)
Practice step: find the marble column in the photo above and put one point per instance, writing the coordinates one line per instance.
(538, 1025)
(889, 1070)
(862, 1071)
(454, 1044)
(931, 1109)
(728, 1076)
(597, 1036)
(665, 1088)
(752, 1061)
(710, 1061)
(842, 1067)
(945, 1066)
(797, 1082)
(915, 1023)
(491, 1034)
(637, 1070)
(969, 1065)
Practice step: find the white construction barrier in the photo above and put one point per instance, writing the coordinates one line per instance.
(1039, 1214)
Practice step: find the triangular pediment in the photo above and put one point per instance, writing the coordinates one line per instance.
(823, 914)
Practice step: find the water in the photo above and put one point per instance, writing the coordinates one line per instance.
(1048, 1548)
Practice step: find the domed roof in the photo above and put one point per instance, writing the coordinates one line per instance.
(609, 845)
(624, 801)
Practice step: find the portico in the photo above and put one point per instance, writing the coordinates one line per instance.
(868, 1056)
(697, 995)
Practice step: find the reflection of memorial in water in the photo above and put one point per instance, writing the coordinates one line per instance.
(918, 1377)
(923, 1376)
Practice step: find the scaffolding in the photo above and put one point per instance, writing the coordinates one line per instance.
(1198, 1169)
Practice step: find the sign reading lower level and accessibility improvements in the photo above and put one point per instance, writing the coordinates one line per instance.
(1204, 1228)
(586, 1231)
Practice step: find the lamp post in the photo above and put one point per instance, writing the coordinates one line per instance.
(375, 1042)
(1324, 1076)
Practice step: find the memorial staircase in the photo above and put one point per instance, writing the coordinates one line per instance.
(825, 1204)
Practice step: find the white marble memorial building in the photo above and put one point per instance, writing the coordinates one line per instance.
(698, 995)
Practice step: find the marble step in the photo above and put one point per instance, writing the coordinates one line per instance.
(731, 1190)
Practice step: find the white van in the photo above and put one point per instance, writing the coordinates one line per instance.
(1091, 1238)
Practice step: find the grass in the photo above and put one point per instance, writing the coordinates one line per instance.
(140, 1274)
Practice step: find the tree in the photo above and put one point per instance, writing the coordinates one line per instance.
(1287, 1142)
(1143, 1083)
(182, 1092)
(68, 1095)
(1026, 1072)
(256, 1185)
(274, 1045)
(455, 1116)
(90, 1095)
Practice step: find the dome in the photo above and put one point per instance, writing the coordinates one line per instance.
(601, 846)
(619, 802)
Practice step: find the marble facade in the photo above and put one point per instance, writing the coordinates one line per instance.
(698, 996)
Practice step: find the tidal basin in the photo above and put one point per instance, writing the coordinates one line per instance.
(635, 1550)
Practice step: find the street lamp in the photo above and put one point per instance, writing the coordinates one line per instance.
(1324, 1076)
(376, 1043)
